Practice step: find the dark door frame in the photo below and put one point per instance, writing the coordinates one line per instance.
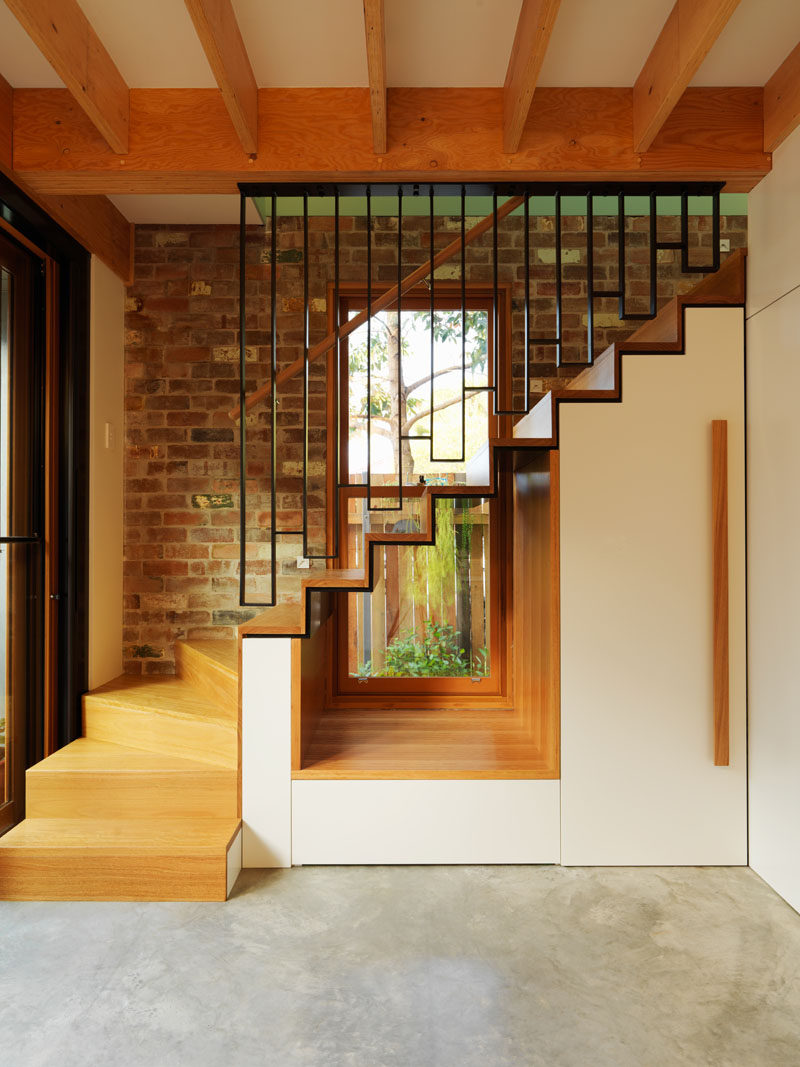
(21, 214)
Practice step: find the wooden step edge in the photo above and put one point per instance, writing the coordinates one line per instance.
(108, 757)
(128, 704)
(172, 836)
(520, 443)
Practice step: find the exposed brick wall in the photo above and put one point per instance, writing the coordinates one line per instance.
(182, 451)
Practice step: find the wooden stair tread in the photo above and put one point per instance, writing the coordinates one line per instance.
(518, 442)
(337, 578)
(88, 755)
(146, 836)
(165, 694)
(224, 654)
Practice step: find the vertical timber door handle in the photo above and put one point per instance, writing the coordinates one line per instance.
(719, 498)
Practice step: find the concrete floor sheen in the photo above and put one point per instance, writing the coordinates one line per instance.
(413, 967)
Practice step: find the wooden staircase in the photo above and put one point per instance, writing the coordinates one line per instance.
(145, 806)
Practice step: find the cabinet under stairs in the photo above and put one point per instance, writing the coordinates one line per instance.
(145, 806)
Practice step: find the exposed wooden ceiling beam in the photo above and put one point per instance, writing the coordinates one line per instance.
(98, 225)
(92, 220)
(66, 39)
(685, 40)
(534, 26)
(782, 101)
(183, 143)
(221, 38)
(376, 67)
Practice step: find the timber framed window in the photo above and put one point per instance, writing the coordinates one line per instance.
(434, 626)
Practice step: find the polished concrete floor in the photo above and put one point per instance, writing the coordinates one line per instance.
(412, 966)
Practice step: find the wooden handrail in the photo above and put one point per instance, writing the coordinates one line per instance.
(381, 302)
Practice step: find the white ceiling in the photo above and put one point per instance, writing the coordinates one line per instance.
(178, 210)
(429, 42)
(308, 43)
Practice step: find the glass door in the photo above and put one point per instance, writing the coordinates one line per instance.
(21, 526)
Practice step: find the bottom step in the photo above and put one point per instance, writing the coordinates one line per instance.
(96, 859)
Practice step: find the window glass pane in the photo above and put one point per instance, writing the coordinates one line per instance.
(428, 614)
(417, 386)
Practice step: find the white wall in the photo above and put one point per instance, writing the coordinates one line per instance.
(638, 781)
(106, 408)
(266, 752)
(773, 453)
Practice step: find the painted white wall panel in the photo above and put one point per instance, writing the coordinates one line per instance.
(106, 449)
(266, 752)
(481, 821)
(773, 229)
(773, 385)
(638, 781)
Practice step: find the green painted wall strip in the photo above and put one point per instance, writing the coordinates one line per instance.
(480, 206)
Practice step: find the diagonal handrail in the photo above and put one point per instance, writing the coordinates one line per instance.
(382, 302)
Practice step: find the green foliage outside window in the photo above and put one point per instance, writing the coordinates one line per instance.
(435, 653)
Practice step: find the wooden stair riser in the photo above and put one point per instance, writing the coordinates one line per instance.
(210, 792)
(207, 740)
(213, 680)
(50, 873)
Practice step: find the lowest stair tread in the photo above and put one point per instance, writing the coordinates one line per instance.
(180, 836)
(165, 694)
(87, 755)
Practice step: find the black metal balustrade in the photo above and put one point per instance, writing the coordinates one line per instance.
(503, 197)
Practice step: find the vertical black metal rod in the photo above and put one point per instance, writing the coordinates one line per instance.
(527, 268)
(621, 253)
(337, 377)
(305, 374)
(463, 324)
(400, 405)
(590, 277)
(560, 342)
(242, 400)
(715, 231)
(369, 347)
(433, 310)
(495, 310)
(653, 207)
(273, 378)
(685, 232)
